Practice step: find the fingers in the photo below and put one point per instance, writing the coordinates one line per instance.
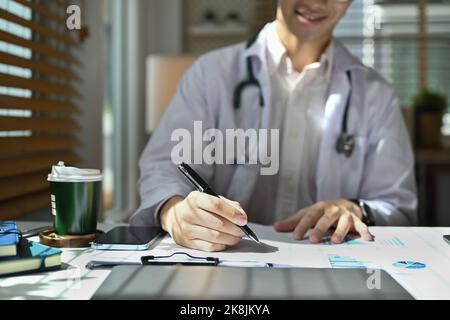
(213, 221)
(206, 246)
(220, 207)
(309, 219)
(363, 230)
(193, 226)
(289, 224)
(325, 222)
(193, 232)
(201, 238)
(226, 226)
(323, 215)
(232, 203)
(343, 226)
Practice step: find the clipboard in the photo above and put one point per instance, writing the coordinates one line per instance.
(176, 258)
(179, 258)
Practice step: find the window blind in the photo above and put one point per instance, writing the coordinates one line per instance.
(385, 35)
(38, 101)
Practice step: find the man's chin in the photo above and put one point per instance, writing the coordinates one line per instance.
(307, 36)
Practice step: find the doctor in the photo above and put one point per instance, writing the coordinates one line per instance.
(345, 157)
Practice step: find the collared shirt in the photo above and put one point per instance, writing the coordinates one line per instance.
(298, 104)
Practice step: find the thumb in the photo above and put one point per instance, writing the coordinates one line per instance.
(288, 224)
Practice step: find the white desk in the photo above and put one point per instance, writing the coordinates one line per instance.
(74, 281)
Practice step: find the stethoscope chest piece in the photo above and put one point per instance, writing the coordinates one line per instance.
(345, 144)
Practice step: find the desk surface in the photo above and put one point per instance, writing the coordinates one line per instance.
(74, 281)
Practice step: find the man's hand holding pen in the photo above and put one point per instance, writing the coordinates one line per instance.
(204, 222)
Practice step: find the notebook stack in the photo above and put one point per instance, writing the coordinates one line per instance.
(18, 255)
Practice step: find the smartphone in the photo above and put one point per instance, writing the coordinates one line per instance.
(127, 238)
(447, 238)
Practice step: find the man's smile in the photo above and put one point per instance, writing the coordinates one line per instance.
(309, 18)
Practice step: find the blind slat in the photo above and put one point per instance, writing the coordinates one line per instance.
(22, 185)
(37, 101)
(392, 45)
(39, 47)
(16, 207)
(38, 105)
(38, 66)
(37, 28)
(42, 11)
(37, 124)
(7, 80)
(34, 163)
(19, 145)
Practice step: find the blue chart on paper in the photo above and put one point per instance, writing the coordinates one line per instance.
(409, 265)
(338, 261)
(350, 240)
(393, 242)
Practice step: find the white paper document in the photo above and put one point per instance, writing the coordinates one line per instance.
(417, 258)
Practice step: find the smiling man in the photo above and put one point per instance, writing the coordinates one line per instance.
(345, 156)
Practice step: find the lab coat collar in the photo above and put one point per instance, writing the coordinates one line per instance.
(343, 60)
(276, 53)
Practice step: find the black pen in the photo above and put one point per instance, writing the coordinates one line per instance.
(202, 186)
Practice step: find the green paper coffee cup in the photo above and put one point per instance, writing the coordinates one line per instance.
(75, 199)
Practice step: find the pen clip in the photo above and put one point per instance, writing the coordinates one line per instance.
(195, 179)
(189, 176)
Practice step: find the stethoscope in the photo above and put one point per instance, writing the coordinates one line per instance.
(345, 142)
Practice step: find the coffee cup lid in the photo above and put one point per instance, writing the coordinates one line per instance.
(61, 173)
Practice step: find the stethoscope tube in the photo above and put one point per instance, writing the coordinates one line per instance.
(249, 82)
(345, 143)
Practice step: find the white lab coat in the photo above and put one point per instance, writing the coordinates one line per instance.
(380, 171)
